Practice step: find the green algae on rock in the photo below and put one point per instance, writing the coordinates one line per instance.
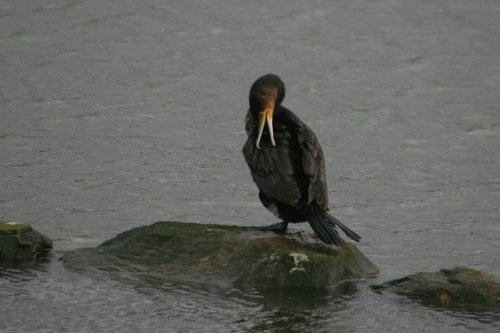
(459, 287)
(224, 255)
(18, 241)
(8, 228)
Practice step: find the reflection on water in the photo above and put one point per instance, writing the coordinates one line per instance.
(104, 302)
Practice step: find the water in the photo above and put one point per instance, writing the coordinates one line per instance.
(116, 115)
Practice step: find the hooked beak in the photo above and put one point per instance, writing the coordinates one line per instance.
(266, 116)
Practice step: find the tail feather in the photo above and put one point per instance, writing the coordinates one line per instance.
(349, 233)
(325, 227)
(324, 231)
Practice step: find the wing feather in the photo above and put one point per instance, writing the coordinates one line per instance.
(313, 164)
(282, 175)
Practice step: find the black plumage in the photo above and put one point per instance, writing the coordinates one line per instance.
(287, 163)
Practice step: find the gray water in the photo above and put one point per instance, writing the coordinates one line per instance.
(117, 114)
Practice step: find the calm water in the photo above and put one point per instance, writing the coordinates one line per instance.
(120, 114)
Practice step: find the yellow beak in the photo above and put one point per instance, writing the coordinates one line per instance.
(266, 116)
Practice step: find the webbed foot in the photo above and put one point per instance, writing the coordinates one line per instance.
(277, 227)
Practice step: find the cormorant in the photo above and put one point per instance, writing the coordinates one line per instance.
(287, 163)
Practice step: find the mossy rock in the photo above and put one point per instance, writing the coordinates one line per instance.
(18, 242)
(225, 256)
(456, 288)
(9, 228)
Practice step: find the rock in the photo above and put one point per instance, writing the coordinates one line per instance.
(459, 287)
(18, 241)
(224, 256)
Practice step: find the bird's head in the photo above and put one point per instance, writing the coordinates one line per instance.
(266, 95)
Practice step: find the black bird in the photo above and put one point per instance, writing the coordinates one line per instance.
(287, 163)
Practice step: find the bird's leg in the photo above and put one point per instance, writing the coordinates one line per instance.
(277, 227)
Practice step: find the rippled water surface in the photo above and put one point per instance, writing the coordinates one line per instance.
(120, 114)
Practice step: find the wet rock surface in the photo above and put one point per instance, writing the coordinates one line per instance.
(18, 242)
(225, 256)
(456, 288)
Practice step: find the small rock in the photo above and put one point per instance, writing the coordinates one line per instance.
(18, 241)
(459, 287)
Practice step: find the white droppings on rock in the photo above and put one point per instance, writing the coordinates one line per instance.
(299, 259)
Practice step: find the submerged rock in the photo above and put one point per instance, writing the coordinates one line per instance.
(18, 241)
(224, 256)
(459, 287)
